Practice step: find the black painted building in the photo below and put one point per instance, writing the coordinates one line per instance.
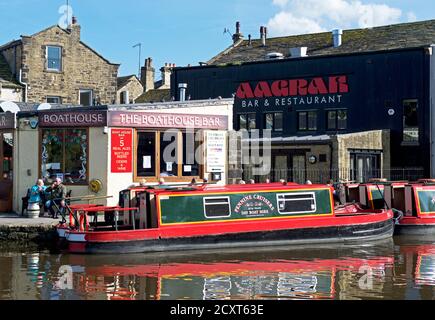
(373, 79)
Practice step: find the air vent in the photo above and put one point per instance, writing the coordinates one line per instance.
(274, 55)
(298, 52)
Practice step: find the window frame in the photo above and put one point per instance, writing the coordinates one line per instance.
(214, 198)
(336, 119)
(273, 113)
(91, 97)
(83, 183)
(47, 67)
(180, 148)
(307, 112)
(410, 143)
(247, 114)
(54, 97)
(313, 194)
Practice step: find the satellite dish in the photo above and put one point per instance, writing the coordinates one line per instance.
(9, 106)
(44, 106)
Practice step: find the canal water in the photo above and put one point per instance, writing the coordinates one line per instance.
(403, 268)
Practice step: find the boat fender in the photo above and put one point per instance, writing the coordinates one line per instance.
(83, 220)
(398, 215)
(71, 221)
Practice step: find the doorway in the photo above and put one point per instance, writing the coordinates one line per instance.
(6, 170)
(365, 166)
(289, 166)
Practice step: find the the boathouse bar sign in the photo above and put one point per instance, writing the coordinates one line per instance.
(293, 92)
(73, 119)
(7, 120)
(166, 120)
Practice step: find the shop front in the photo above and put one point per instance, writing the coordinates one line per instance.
(105, 150)
(7, 126)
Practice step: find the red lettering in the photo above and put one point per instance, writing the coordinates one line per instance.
(343, 87)
(317, 86)
(244, 91)
(262, 90)
(302, 87)
(280, 88)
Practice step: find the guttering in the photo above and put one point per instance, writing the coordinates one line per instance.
(24, 84)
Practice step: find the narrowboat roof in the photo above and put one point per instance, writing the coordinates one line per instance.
(260, 187)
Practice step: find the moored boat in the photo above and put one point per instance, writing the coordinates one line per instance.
(204, 217)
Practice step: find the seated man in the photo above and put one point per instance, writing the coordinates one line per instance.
(57, 194)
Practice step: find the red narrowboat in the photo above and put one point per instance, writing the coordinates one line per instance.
(416, 204)
(212, 216)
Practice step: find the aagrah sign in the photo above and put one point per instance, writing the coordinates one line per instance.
(7, 120)
(166, 120)
(73, 119)
(294, 92)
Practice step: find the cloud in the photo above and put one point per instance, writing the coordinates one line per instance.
(310, 16)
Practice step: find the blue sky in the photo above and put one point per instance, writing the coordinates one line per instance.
(188, 31)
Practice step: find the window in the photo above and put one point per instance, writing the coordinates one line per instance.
(85, 97)
(54, 100)
(410, 122)
(247, 121)
(307, 121)
(273, 121)
(168, 154)
(337, 120)
(296, 203)
(217, 207)
(64, 154)
(54, 58)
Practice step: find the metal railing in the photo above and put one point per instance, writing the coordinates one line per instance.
(336, 175)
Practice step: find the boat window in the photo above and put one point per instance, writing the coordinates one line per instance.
(217, 207)
(294, 203)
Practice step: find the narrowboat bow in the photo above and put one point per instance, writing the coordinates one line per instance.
(205, 217)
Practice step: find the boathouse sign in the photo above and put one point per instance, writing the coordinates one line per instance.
(166, 120)
(7, 120)
(73, 119)
(293, 92)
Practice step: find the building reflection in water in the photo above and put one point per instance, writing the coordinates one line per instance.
(401, 272)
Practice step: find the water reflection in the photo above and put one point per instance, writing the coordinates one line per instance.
(405, 270)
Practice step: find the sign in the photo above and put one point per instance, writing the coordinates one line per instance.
(7, 120)
(73, 119)
(121, 150)
(166, 120)
(216, 151)
(292, 92)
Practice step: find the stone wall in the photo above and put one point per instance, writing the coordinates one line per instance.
(134, 88)
(13, 58)
(82, 68)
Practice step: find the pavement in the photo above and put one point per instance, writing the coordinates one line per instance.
(15, 220)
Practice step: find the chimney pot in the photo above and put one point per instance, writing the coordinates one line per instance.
(263, 31)
(237, 27)
(74, 20)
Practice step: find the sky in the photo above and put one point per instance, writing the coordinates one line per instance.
(192, 31)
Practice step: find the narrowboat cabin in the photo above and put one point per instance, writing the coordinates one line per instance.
(213, 216)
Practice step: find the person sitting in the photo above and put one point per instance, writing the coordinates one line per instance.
(37, 193)
(57, 194)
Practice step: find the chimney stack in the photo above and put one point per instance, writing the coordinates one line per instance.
(166, 75)
(147, 75)
(238, 35)
(263, 35)
(336, 37)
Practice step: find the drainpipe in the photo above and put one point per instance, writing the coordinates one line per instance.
(24, 84)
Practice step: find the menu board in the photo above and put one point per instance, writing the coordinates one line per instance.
(216, 151)
(121, 150)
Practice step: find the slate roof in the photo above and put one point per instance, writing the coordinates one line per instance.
(156, 95)
(7, 80)
(398, 36)
(122, 81)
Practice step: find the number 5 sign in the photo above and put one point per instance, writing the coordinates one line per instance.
(121, 145)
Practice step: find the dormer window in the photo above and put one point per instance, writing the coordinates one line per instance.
(54, 58)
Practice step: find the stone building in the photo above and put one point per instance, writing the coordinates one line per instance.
(10, 88)
(55, 66)
(129, 89)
